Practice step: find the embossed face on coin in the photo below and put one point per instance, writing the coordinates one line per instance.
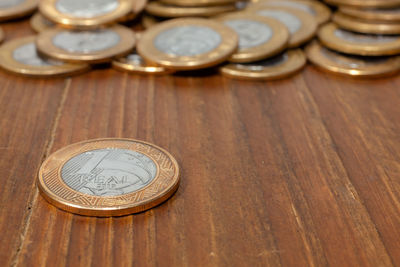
(26, 54)
(10, 3)
(267, 63)
(86, 41)
(251, 33)
(109, 172)
(291, 21)
(187, 40)
(364, 38)
(86, 8)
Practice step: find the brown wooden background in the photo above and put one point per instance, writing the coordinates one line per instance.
(298, 172)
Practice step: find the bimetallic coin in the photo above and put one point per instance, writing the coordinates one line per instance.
(85, 14)
(349, 42)
(108, 177)
(167, 11)
(19, 56)
(278, 67)
(352, 65)
(319, 11)
(365, 26)
(385, 15)
(259, 37)
(11, 9)
(365, 3)
(197, 3)
(187, 44)
(40, 23)
(91, 46)
(302, 26)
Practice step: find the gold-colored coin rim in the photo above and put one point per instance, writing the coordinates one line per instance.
(21, 10)
(138, 7)
(167, 11)
(197, 3)
(45, 46)
(305, 33)
(49, 10)
(8, 63)
(314, 54)
(295, 62)
(326, 35)
(369, 14)
(364, 3)
(277, 43)
(38, 23)
(364, 26)
(150, 196)
(150, 53)
(322, 12)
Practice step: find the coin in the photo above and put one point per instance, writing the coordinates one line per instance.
(91, 46)
(40, 23)
(365, 3)
(19, 56)
(138, 7)
(168, 11)
(352, 65)
(301, 25)
(85, 14)
(318, 10)
(385, 15)
(187, 44)
(358, 43)
(11, 9)
(136, 64)
(274, 68)
(365, 26)
(108, 177)
(259, 37)
(197, 3)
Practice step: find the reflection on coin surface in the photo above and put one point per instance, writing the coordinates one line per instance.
(136, 64)
(280, 66)
(86, 8)
(184, 44)
(350, 64)
(108, 177)
(86, 41)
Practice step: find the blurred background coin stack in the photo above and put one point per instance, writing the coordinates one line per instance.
(253, 39)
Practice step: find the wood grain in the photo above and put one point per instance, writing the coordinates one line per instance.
(298, 172)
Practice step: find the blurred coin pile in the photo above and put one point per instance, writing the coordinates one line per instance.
(263, 39)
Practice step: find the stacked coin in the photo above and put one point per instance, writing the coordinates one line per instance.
(360, 40)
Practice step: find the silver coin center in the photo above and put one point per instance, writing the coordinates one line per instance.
(292, 22)
(86, 8)
(351, 61)
(10, 3)
(264, 64)
(251, 33)
(26, 54)
(109, 172)
(135, 59)
(86, 41)
(187, 40)
(364, 38)
(296, 5)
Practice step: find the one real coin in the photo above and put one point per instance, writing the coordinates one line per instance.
(108, 177)
(12, 9)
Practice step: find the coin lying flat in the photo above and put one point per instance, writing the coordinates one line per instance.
(40, 23)
(19, 56)
(11, 9)
(302, 26)
(159, 9)
(365, 26)
(259, 37)
(344, 41)
(91, 46)
(187, 44)
(385, 15)
(85, 14)
(352, 65)
(108, 177)
(274, 68)
(318, 10)
(365, 3)
(197, 3)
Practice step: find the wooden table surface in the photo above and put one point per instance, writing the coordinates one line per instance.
(299, 172)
